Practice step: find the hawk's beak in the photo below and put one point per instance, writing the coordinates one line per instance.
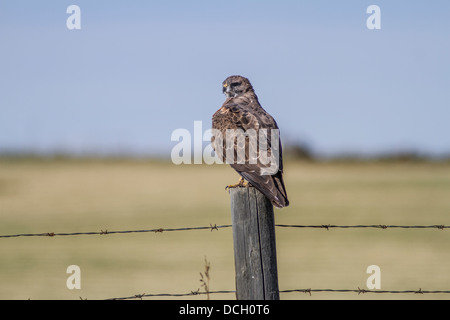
(225, 88)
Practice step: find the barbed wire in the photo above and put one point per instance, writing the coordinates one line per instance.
(306, 291)
(377, 226)
(192, 293)
(212, 227)
(216, 227)
(105, 232)
(362, 291)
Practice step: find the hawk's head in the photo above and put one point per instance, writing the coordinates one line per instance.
(234, 86)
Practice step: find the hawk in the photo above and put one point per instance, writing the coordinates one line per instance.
(241, 112)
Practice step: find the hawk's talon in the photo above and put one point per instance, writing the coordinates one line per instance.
(241, 184)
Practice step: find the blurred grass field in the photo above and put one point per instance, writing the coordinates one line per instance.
(82, 195)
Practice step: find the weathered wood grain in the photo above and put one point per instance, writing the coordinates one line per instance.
(254, 245)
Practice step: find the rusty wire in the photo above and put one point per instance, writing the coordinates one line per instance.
(212, 227)
(106, 232)
(308, 291)
(192, 293)
(376, 226)
(363, 291)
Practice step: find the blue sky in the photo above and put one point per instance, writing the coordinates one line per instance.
(137, 70)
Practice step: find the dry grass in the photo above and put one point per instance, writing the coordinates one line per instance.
(69, 196)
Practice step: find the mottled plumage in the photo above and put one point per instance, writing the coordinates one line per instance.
(241, 110)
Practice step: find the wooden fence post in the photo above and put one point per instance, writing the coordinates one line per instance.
(254, 245)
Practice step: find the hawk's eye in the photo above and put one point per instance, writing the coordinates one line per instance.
(235, 84)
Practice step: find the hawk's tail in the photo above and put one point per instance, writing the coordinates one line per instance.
(271, 186)
(281, 199)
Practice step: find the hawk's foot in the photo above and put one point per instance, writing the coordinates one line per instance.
(241, 184)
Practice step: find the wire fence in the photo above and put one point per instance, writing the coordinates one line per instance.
(105, 232)
(305, 291)
(216, 227)
(212, 227)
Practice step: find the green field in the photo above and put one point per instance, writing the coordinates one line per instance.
(81, 196)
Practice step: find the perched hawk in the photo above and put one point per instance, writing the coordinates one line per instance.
(241, 112)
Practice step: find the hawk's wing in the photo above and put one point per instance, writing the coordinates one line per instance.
(242, 113)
